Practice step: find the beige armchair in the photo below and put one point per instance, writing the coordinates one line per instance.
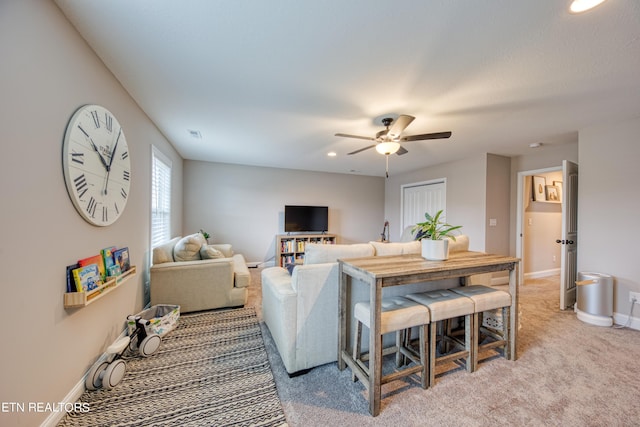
(180, 276)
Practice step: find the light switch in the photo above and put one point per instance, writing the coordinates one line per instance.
(530, 221)
(493, 222)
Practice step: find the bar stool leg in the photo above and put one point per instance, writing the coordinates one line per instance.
(506, 331)
(432, 353)
(400, 339)
(424, 356)
(357, 349)
(471, 341)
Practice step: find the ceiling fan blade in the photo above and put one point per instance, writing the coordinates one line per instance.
(399, 125)
(368, 138)
(437, 135)
(401, 151)
(362, 149)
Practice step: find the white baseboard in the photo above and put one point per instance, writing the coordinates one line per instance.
(260, 264)
(622, 319)
(56, 416)
(542, 273)
(618, 320)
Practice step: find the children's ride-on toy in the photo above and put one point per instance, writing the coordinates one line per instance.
(108, 373)
(145, 343)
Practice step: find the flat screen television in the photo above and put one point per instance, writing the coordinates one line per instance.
(306, 218)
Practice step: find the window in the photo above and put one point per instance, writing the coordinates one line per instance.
(160, 198)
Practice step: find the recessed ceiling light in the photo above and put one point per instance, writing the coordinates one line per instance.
(535, 145)
(579, 6)
(332, 154)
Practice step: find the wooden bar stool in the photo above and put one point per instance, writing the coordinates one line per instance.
(486, 298)
(398, 315)
(445, 305)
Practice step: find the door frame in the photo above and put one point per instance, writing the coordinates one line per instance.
(520, 251)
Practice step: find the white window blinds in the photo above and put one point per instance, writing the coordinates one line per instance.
(160, 198)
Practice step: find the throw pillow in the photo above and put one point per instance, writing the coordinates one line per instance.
(225, 248)
(209, 252)
(188, 248)
(290, 266)
(164, 253)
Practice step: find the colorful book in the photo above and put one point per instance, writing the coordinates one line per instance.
(109, 261)
(114, 271)
(87, 278)
(71, 283)
(121, 257)
(96, 259)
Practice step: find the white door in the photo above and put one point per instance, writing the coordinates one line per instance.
(569, 238)
(422, 197)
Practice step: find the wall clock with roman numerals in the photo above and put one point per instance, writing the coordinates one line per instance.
(96, 165)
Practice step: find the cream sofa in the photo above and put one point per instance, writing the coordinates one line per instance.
(301, 309)
(180, 275)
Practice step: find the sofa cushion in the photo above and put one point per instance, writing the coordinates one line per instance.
(210, 252)
(164, 252)
(397, 248)
(188, 248)
(318, 253)
(461, 244)
(241, 272)
(225, 248)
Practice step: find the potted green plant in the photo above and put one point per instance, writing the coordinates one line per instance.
(435, 235)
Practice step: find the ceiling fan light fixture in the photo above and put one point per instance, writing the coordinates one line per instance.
(579, 6)
(388, 147)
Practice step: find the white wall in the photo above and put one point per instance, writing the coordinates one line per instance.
(47, 72)
(244, 205)
(609, 206)
(466, 196)
(497, 204)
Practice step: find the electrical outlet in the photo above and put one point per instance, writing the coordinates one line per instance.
(634, 295)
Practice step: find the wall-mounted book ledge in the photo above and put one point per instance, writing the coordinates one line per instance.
(81, 299)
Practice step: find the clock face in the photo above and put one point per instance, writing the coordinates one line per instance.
(96, 165)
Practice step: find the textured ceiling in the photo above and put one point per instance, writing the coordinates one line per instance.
(269, 83)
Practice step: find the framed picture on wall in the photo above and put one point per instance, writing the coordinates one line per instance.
(552, 193)
(559, 185)
(539, 191)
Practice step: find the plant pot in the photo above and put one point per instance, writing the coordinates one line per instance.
(435, 250)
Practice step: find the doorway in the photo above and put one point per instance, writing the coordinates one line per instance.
(546, 226)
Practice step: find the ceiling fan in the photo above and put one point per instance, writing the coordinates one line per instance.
(387, 141)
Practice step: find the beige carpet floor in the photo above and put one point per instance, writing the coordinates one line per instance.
(568, 373)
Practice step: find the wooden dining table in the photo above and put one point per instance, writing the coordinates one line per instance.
(379, 272)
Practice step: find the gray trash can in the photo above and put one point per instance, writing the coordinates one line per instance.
(595, 298)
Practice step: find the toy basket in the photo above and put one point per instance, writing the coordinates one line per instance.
(163, 318)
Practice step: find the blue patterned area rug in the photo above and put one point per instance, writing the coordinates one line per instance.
(212, 370)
